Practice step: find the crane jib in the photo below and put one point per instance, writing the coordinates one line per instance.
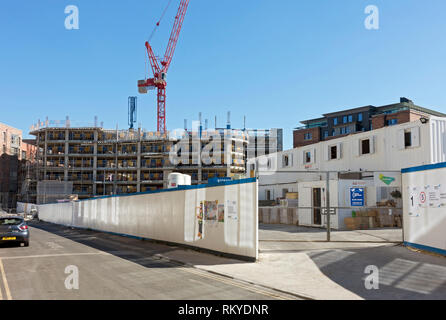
(160, 68)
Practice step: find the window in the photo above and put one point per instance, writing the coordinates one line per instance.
(325, 134)
(268, 195)
(344, 119)
(286, 161)
(335, 121)
(308, 136)
(10, 221)
(365, 146)
(333, 152)
(284, 192)
(360, 117)
(392, 122)
(344, 130)
(308, 157)
(347, 129)
(350, 118)
(407, 139)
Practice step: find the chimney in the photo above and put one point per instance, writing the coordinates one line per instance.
(405, 100)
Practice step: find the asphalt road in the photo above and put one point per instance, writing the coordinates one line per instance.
(108, 267)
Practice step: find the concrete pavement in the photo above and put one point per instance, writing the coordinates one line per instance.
(298, 261)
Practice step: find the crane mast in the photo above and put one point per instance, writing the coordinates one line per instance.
(160, 68)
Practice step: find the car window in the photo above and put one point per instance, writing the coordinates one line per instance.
(10, 222)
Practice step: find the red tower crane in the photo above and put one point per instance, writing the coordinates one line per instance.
(160, 68)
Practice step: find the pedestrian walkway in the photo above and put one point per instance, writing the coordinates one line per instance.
(335, 270)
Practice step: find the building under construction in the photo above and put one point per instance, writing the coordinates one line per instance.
(91, 161)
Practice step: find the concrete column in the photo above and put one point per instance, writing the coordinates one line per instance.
(200, 166)
(66, 155)
(228, 155)
(38, 156)
(166, 178)
(95, 160)
(45, 151)
(115, 186)
(138, 162)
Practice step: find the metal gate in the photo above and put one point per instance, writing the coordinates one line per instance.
(332, 206)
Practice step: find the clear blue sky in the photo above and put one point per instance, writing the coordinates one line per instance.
(277, 62)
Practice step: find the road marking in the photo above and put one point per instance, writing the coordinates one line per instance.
(54, 245)
(5, 282)
(239, 285)
(57, 255)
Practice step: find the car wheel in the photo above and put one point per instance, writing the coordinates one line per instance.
(26, 243)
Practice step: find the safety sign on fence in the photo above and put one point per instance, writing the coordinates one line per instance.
(357, 198)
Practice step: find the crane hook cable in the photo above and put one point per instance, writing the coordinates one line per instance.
(159, 21)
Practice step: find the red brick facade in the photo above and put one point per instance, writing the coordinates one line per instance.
(299, 137)
(380, 121)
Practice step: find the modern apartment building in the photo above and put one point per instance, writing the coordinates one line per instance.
(100, 162)
(389, 148)
(342, 123)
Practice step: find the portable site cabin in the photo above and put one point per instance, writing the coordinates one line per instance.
(347, 196)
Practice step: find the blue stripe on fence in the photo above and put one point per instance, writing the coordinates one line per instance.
(180, 188)
(425, 248)
(424, 167)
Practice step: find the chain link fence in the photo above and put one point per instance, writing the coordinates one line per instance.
(333, 206)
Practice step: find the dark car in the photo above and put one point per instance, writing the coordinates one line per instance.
(14, 229)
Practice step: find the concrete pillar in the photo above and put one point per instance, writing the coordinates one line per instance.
(166, 178)
(138, 162)
(45, 151)
(95, 160)
(228, 154)
(66, 159)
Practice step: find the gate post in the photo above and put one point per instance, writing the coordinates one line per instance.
(328, 207)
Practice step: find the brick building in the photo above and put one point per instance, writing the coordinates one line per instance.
(342, 123)
(15, 156)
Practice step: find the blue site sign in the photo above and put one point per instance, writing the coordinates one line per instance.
(357, 197)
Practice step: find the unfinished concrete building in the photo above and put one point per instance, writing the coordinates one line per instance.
(104, 162)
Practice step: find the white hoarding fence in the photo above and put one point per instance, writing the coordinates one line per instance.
(221, 217)
(424, 207)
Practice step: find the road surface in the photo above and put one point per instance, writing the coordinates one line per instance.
(108, 267)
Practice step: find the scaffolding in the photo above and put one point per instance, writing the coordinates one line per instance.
(100, 162)
(53, 191)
